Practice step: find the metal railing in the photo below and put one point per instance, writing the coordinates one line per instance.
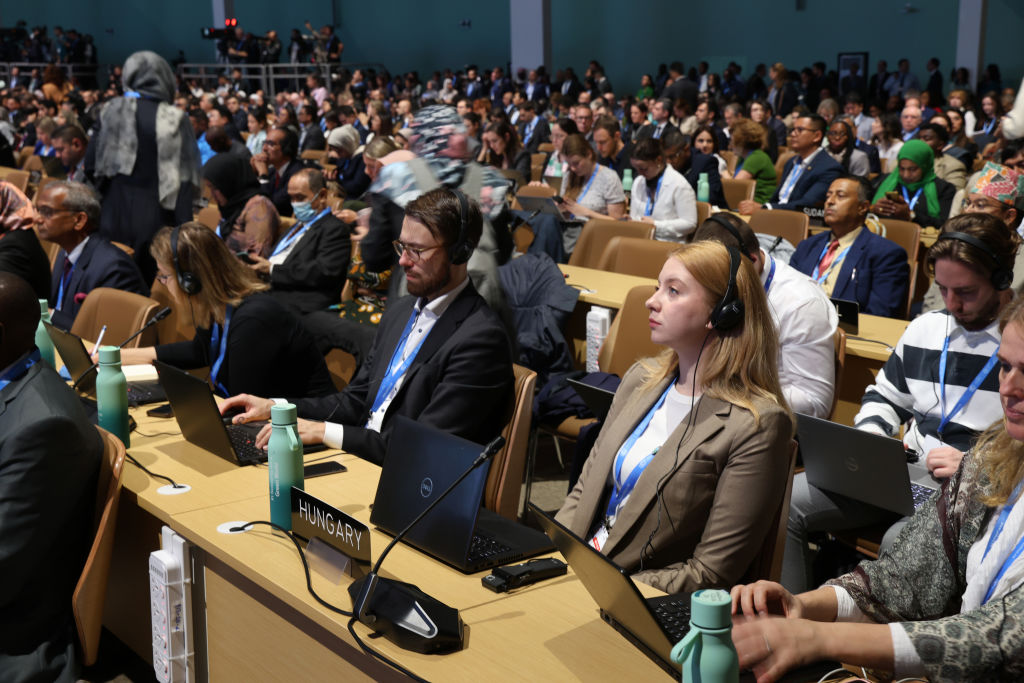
(93, 75)
(267, 77)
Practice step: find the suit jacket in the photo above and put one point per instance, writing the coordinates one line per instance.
(705, 163)
(811, 186)
(100, 264)
(541, 134)
(312, 276)
(874, 273)
(720, 489)
(49, 459)
(277, 187)
(682, 88)
(460, 380)
(314, 138)
(934, 88)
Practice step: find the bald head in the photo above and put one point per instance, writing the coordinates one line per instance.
(19, 317)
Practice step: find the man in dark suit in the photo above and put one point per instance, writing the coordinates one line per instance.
(68, 213)
(69, 145)
(276, 164)
(681, 87)
(679, 153)
(661, 112)
(534, 89)
(49, 460)
(570, 85)
(308, 264)
(806, 177)
(850, 261)
(934, 87)
(310, 134)
(474, 88)
(534, 130)
(440, 356)
(876, 84)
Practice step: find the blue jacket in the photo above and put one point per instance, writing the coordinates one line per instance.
(101, 264)
(811, 186)
(874, 273)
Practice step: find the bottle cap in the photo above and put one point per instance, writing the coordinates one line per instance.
(702, 177)
(283, 414)
(710, 608)
(44, 306)
(110, 355)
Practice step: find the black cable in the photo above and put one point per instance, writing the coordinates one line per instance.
(153, 474)
(309, 586)
(140, 433)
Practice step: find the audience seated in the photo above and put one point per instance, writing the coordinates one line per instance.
(849, 261)
(311, 137)
(276, 165)
(589, 190)
(900, 193)
(49, 460)
(841, 146)
(752, 163)
(611, 150)
(502, 150)
(705, 141)
(248, 220)
(691, 164)
(660, 195)
(946, 166)
(20, 251)
(350, 167)
(534, 129)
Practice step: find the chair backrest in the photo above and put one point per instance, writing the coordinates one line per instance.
(703, 211)
(729, 158)
(839, 344)
(515, 176)
(341, 365)
(537, 165)
(546, 147)
(790, 225)
(596, 234)
(91, 589)
(178, 325)
(317, 155)
(906, 234)
(629, 337)
(124, 247)
(636, 256)
(780, 163)
(536, 191)
(15, 177)
(768, 562)
(736, 191)
(124, 313)
(505, 479)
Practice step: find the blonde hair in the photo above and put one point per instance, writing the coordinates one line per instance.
(224, 279)
(742, 363)
(1002, 456)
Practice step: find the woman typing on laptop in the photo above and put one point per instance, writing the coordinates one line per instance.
(250, 342)
(945, 601)
(690, 468)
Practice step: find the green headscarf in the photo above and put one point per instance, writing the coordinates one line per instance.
(921, 154)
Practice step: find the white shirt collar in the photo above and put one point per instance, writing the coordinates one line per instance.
(77, 251)
(438, 306)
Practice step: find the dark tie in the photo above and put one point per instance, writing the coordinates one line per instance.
(64, 278)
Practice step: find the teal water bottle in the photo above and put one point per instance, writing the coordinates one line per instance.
(112, 394)
(627, 180)
(43, 341)
(284, 459)
(707, 654)
(703, 188)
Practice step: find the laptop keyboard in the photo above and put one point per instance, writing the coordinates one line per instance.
(244, 443)
(484, 547)
(142, 394)
(920, 494)
(674, 617)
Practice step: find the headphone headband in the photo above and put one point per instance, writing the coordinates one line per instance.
(732, 230)
(728, 313)
(187, 280)
(460, 250)
(1001, 276)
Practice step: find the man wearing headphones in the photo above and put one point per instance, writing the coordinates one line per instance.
(440, 356)
(276, 164)
(941, 380)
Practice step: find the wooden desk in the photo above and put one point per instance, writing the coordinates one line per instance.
(865, 356)
(601, 288)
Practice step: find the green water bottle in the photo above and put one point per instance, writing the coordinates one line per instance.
(703, 188)
(284, 459)
(627, 180)
(112, 394)
(43, 341)
(707, 654)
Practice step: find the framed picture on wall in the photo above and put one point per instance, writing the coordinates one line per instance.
(853, 67)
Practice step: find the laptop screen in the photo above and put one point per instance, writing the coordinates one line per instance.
(195, 410)
(75, 357)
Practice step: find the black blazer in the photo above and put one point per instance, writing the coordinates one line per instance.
(277, 188)
(705, 163)
(312, 276)
(461, 380)
(314, 139)
(21, 254)
(541, 134)
(100, 264)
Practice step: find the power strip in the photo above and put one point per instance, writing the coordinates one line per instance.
(170, 581)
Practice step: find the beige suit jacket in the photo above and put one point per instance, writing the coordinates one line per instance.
(721, 488)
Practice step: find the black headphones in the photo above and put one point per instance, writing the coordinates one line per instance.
(187, 280)
(728, 313)
(732, 230)
(1001, 276)
(460, 250)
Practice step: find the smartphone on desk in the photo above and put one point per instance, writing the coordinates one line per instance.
(320, 469)
(161, 411)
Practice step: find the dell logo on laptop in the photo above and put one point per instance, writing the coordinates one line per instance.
(426, 487)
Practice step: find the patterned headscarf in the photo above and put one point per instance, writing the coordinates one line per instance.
(999, 182)
(439, 137)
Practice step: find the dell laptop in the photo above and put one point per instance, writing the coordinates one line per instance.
(867, 467)
(420, 464)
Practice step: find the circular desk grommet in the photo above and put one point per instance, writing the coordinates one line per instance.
(169, 490)
(228, 527)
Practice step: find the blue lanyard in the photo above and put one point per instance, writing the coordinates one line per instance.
(18, 370)
(972, 387)
(219, 345)
(739, 166)
(529, 130)
(64, 280)
(1017, 549)
(397, 366)
(621, 491)
(586, 187)
(287, 242)
(837, 260)
(911, 202)
(987, 128)
(651, 201)
(790, 184)
(771, 274)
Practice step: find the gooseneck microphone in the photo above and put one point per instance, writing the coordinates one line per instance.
(403, 613)
(160, 315)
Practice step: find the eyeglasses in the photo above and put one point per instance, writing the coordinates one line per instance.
(163, 279)
(983, 205)
(800, 129)
(835, 134)
(415, 253)
(50, 212)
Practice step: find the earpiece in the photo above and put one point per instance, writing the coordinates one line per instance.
(460, 250)
(1001, 276)
(728, 313)
(187, 280)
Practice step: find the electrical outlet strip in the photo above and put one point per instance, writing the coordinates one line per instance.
(170, 608)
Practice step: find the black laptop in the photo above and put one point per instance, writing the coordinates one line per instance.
(201, 423)
(849, 315)
(422, 462)
(76, 359)
(598, 400)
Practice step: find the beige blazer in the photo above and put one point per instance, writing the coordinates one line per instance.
(721, 488)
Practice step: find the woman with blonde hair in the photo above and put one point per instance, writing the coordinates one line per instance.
(696, 445)
(250, 341)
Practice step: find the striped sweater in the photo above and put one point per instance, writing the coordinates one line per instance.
(907, 387)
